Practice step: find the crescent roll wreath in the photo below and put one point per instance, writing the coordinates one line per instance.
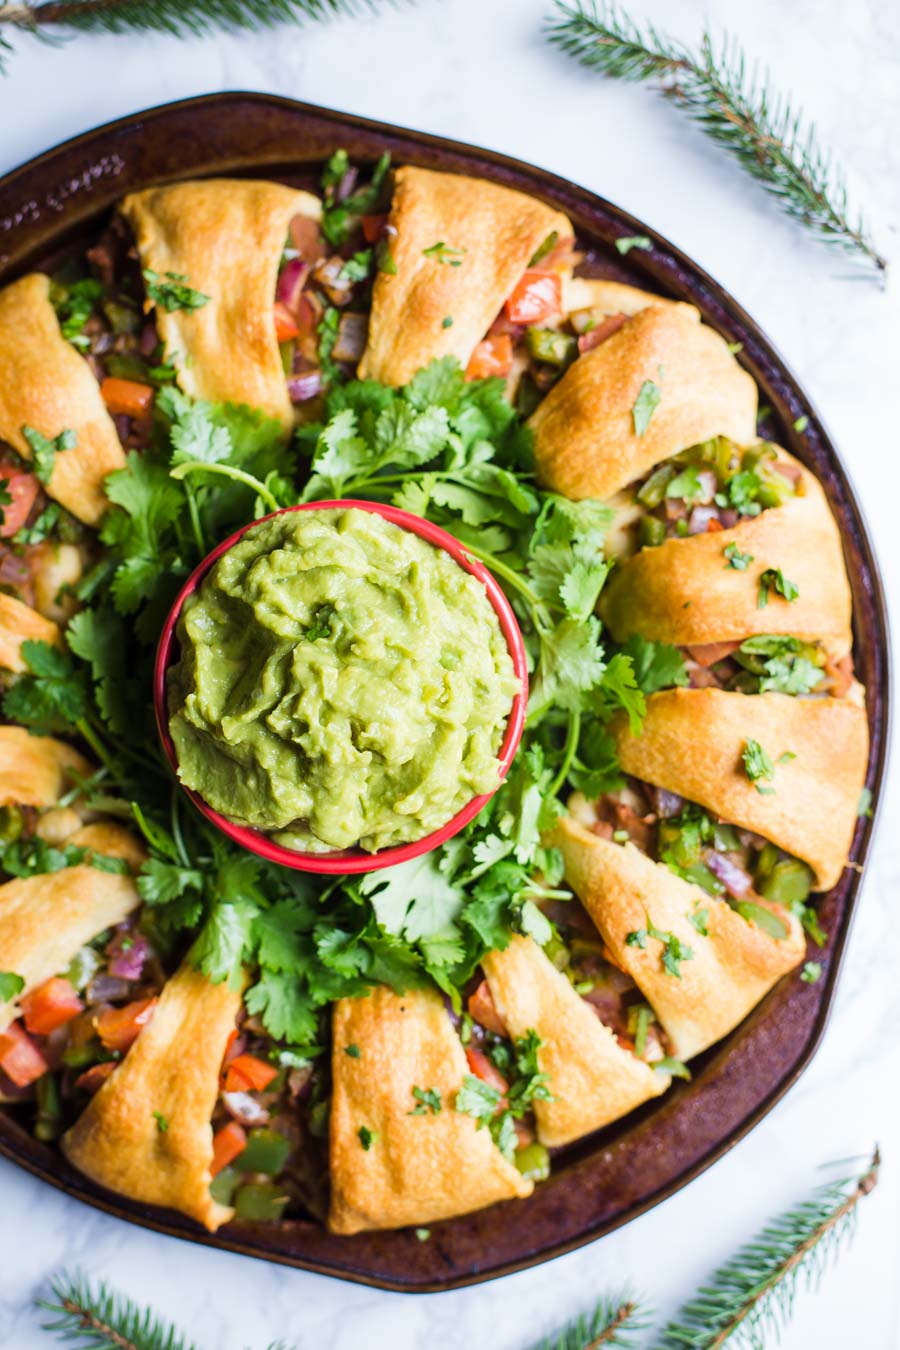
(205, 1031)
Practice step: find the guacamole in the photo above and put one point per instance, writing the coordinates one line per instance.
(341, 683)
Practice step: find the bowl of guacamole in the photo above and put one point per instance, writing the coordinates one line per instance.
(340, 687)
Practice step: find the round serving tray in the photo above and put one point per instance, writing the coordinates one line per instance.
(46, 206)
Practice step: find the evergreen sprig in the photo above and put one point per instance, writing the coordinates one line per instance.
(179, 18)
(102, 1319)
(751, 1296)
(733, 102)
(614, 1322)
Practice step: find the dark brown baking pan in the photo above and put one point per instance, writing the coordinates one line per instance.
(610, 1177)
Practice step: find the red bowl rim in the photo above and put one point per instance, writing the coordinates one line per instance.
(350, 860)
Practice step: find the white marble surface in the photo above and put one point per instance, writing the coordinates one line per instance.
(478, 70)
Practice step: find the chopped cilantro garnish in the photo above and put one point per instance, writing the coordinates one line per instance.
(543, 249)
(74, 305)
(801, 423)
(628, 242)
(423, 1234)
(811, 972)
(357, 268)
(161, 1123)
(759, 767)
(44, 450)
(367, 1137)
(676, 1067)
(736, 559)
(173, 291)
(445, 254)
(864, 806)
(645, 406)
(674, 951)
(699, 918)
(735, 347)
(447, 322)
(10, 985)
(353, 1051)
(428, 1100)
(774, 579)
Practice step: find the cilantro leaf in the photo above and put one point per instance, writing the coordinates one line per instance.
(758, 766)
(44, 450)
(736, 559)
(173, 291)
(286, 1009)
(10, 985)
(52, 697)
(428, 1100)
(219, 949)
(627, 242)
(774, 579)
(645, 405)
(656, 665)
(414, 899)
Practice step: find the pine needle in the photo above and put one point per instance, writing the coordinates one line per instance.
(751, 1296)
(613, 1322)
(101, 1319)
(49, 19)
(733, 102)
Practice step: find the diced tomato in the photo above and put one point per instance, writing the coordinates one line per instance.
(483, 1009)
(491, 357)
(50, 1006)
(482, 1068)
(285, 323)
(372, 227)
(601, 331)
(536, 297)
(246, 1073)
(127, 397)
(94, 1077)
(713, 526)
(20, 1059)
(228, 1143)
(230, 1044)
(708, 653)
(23, 488)
(119, 1028)
(524, 1134)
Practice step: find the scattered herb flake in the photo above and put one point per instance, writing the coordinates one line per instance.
(353, 1051)
(811, 972)
(445, 254)
(630, 241)
(367, 1137)
(161, 1123)
(774, 579)
(428, 1099)
(645, 406)
(801, 424)
(736, 559)
(44, 450)
(10, 985)
(173, 291)
(758, 766)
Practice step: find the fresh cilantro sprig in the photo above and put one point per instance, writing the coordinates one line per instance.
(173, 291)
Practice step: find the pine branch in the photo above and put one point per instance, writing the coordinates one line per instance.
(49, 19)
(101, 1319)
(752, 1295)
(733, 102)
(613, 1322)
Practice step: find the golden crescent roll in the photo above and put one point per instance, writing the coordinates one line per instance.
(585, 443)
(112, 840)
(36, 770)
(592, 1078)
(692, 742)
(45, 920)
(614, 297)
(20, 623)
(496, 230)
(47, 385)
(226, 236)
(731, 968)
(418, 1168)
(684, 591)
(172, 1069)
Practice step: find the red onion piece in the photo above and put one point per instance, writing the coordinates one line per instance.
(301, 388)
(665, 803)
(127, 954)
(244, 1108)
(352, 336)
(736, 881)
(328, 275)
(149, 338)
(305, 237)
(107, 989)
(504, 325)
(789, 471)
(13, 570)
(728, 518)
(700, 518)
(346, 185)
(702, 677)
(291, 280)
(709, 485)
(600, 332)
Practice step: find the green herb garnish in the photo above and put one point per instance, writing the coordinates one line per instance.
(173, 292)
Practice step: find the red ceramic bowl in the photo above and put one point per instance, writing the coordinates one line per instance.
(349, 860)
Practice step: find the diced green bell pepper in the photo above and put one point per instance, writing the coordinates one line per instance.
(533, 1161)
(224, 1184)
(83, 967)
(10, 824)
(789, 881)
(318, 1119)
(545, 344)
(48, 1123)
(259, 1201)
(651, 531)
(654, 490)
(267, 1151)
(122, 318)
